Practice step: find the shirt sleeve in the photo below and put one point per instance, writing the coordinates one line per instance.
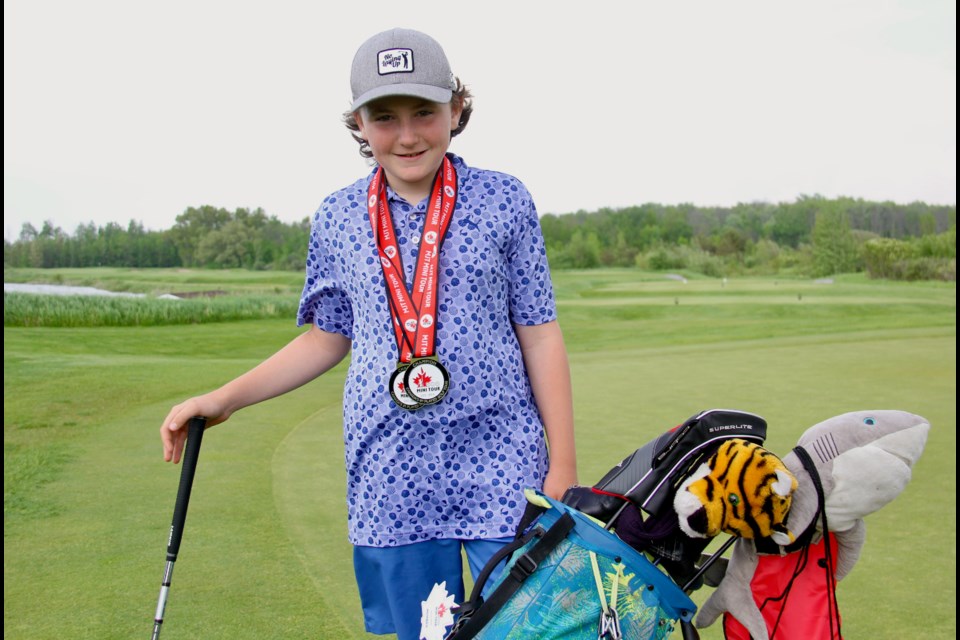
(324, 301)
(531, 289)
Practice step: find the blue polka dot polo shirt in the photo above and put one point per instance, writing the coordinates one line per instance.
(455, 469)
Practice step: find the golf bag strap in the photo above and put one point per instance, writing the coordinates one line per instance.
(530, 513)
(474, 617)
(504, 552)
(767, 546)
(831, 582)
(522, 537)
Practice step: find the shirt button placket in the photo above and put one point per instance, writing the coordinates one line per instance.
(414, 224)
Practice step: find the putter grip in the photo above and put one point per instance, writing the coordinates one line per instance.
(191, 454)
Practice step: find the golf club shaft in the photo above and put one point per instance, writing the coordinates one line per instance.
(190, 456)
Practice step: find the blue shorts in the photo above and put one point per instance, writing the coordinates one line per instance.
(393, 581)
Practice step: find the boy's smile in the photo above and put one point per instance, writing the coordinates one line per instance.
(408, 137)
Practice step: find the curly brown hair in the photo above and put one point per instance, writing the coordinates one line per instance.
(461, 94)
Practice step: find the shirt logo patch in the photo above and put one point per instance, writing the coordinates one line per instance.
(395, 61)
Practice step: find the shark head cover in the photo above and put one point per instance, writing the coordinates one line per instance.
(864, 459)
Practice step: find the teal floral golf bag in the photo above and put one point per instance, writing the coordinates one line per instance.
(568, 578)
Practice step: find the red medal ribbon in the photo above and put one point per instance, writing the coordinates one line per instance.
(413, 312)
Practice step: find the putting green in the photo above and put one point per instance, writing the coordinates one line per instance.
(309, 493)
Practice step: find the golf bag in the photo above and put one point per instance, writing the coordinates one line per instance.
(570, 578)
(587, 566)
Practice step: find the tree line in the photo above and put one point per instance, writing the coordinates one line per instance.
(202, 237)
(813, 236)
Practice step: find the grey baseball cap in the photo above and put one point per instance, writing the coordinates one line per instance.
(401, 62)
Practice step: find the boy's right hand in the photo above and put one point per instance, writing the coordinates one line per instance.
(173, 431)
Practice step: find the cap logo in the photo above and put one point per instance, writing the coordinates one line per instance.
(395, 61)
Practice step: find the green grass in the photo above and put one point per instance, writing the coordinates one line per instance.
(88, 500)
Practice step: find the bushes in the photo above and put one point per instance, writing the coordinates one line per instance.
(762, 258)
(685, 258)
(926, 258)
(930, 257)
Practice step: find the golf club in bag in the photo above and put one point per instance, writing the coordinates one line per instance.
(191, 453)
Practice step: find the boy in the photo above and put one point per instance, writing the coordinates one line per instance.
(433, 275)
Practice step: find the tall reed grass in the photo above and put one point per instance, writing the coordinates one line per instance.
(31, 310)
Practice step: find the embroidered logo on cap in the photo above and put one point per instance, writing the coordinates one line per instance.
(395, 61)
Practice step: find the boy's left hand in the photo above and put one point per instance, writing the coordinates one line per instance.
(558, 480)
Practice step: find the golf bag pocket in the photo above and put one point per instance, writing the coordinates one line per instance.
(568, 578)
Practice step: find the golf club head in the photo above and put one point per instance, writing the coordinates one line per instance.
(649, 475)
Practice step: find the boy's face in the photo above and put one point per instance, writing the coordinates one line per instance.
(408, 137)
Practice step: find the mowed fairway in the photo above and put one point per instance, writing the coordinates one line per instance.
(88, 500)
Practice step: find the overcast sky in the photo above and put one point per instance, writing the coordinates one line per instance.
(119, 110)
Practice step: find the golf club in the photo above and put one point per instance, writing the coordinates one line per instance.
(191, 453)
